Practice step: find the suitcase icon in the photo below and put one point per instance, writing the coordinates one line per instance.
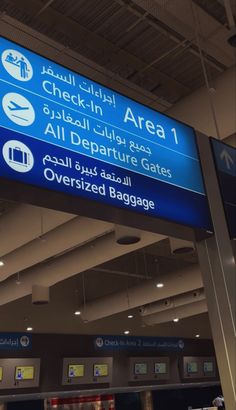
(17, 155)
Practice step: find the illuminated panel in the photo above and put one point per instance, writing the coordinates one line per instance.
(192, 367)
(100, 370)
(64, 132)
(75, 370)
(160, 368)
(208, 367)
(24, 373)
(140, 368)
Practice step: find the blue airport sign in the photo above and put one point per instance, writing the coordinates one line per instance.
(225, 161)
(141, 343)
(61, 131)
(15, 341)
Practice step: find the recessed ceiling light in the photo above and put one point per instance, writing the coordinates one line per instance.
(159, 285)
(176, 319)
(77, 312)
(1, 263)
(197, 335)
(29, 329)
(126, 332)
(130, 316)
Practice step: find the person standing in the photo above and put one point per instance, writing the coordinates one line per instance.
(23, 68)
(219, 402)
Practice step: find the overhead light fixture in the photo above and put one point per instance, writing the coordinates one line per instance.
(176, 319)
(77, 313)
(29, 329)
(1, 263)
(18, 281)
(126, 332)
(232, 37)
(160, 285)
(197, 335)
(126, 236)
(181, 247)
(130, 316)
(40, 295)
(42, 238)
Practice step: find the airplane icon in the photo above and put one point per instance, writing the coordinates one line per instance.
(16, 107)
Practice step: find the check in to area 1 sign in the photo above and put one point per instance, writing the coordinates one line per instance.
(64, 132)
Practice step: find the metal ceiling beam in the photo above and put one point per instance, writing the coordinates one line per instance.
(57, 242)
(107, 20)
(79, 260)
(232, 4)
(180, 312)
(217, 11)
(229, 13)
(107, 10)
(40, 221)
(44, 8)
(169, 33)
(74, 30)
(49, 48)
(164, 55)
(118, 272)
(139, 20)
(179, 281)
(184, 29)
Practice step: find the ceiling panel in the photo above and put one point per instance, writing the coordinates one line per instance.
(125, 27)
(214, 9)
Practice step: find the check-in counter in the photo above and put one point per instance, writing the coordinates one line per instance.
(203, 408)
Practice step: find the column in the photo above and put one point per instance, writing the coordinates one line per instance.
(217, 263)
(146, 400)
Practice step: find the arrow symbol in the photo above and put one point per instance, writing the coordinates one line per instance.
(225, 156)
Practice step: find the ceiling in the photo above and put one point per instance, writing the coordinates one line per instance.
(135, 268)
(159, 53)
(152, 44)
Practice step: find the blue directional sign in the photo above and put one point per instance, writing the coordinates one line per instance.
(138, 343)
(225, 160)
(61, 131)
(15, 341)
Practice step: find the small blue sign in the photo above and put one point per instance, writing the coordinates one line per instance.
(225, 157)
(103, 135)
(225, 160)
(15, 341)
(138, 343)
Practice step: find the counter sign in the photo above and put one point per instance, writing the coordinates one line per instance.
(63, 132)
